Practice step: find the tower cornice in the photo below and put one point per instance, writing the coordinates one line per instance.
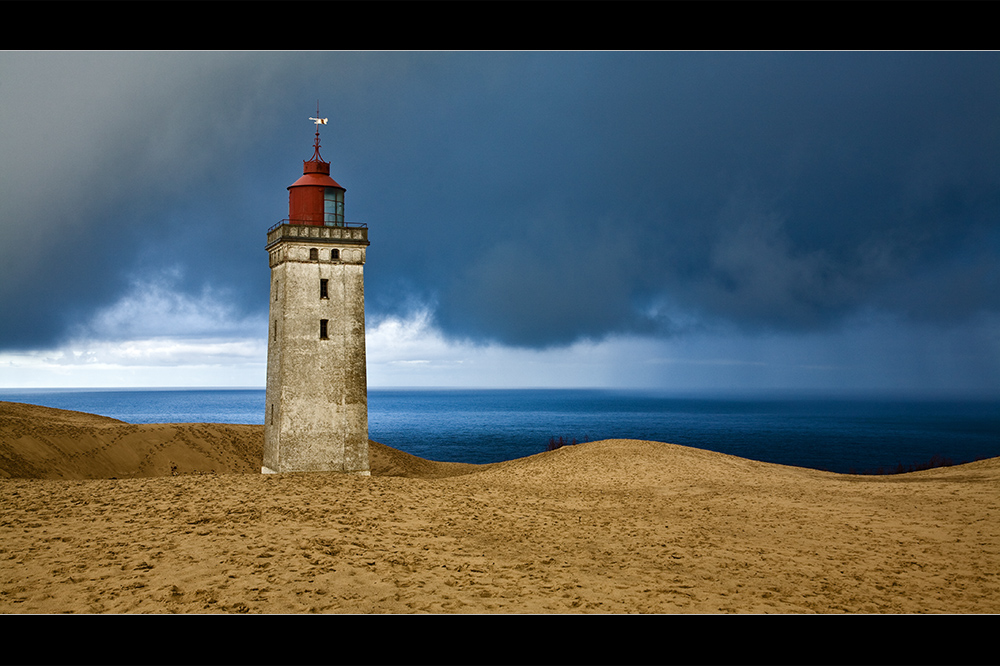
(349, 234)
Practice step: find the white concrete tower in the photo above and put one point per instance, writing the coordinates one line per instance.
(316, 417)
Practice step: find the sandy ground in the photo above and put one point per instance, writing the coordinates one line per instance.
(188, 525)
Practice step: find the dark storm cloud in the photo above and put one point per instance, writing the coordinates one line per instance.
(532, 199)
(778, 191)
(116, 166)
(576, 195)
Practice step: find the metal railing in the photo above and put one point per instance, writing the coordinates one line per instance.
(304, 223)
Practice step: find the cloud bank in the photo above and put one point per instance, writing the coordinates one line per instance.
(530, 201)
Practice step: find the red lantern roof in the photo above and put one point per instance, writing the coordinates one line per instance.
(315, 171)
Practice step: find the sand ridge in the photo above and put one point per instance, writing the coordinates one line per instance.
(618, 526)
(46, 443)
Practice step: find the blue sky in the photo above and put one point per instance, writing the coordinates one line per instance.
(687, 221)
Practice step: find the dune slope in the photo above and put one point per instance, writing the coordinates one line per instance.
(45, 443)
(617, 526)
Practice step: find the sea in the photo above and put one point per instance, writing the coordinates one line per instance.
(838, 434)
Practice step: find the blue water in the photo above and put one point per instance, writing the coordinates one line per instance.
(478, 426)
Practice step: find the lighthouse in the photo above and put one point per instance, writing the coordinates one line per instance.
(316, 412)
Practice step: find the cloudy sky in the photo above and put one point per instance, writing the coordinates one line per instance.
(685, 221)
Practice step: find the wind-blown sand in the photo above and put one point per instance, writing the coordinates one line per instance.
(189, 525)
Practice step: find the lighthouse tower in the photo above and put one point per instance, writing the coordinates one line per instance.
(316, 416)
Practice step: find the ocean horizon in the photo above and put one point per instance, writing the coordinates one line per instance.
(845, 433)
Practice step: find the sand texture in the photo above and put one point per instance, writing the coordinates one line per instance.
(189, 525)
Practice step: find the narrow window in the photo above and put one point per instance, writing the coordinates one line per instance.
(275, 330)
(322, 329)
(313, 254)
(322, 289)
(334, 254)
(333, 207)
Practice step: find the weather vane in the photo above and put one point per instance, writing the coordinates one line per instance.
(317, 121)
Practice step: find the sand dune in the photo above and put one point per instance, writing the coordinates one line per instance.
(45, 443)
(619, 526)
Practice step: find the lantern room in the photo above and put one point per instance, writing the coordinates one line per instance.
(315, 199)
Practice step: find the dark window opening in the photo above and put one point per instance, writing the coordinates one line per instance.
(313, 254)
(322, 289)
(322, 329)
(334, 254)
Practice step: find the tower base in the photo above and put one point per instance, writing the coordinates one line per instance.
(364, 472)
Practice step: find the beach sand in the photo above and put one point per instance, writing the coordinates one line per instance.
(189, 525)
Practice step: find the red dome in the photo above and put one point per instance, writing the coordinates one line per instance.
(315, 173)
